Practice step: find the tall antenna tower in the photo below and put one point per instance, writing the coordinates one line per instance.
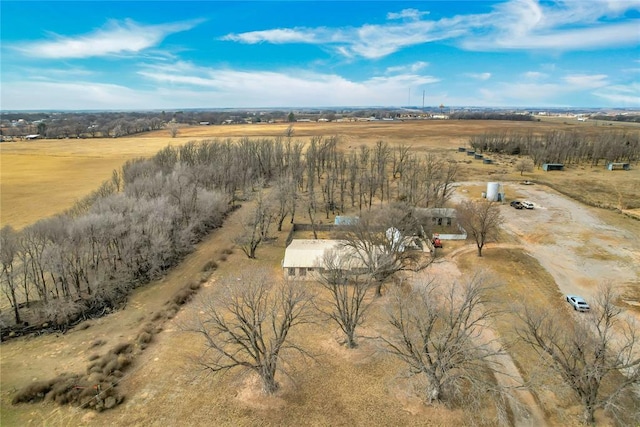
(423, 99)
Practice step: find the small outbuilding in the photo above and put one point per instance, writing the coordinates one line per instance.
(612, 166)
(437, 216)
(552, 167)
(345, 220)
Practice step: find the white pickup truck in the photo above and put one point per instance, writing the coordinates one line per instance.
(527, 204)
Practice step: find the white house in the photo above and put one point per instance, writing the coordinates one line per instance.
(304, 258)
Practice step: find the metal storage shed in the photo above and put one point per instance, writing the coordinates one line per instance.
(552, 167)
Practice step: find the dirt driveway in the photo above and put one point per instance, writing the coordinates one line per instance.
(572, 241)
(580, 246)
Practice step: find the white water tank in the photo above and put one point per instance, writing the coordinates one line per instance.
(493, 191)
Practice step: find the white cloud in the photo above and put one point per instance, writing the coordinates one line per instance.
(584, 81)
(571, 25)
(54, 95)
(368, 41)
(275, 36)
(622, 34)
(534, 75)
(114, 38)
(291, 87)
(413, 68)
(407, 14)
(479, 76)
(512, 25)
(621, 95)
(185, 85)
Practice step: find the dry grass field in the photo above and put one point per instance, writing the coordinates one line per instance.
(41, 178)
(337, 387)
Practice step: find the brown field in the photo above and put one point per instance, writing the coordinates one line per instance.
(42, 178)
(338, 387)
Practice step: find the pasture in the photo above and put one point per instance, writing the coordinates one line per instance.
(337, 386)
(44, 177)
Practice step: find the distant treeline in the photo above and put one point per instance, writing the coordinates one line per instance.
(575, 146)
(470, 115)
(629, 118)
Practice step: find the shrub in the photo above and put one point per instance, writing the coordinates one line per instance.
(33, 392)
(124, 347)
(210, 265)
(97, 343)
(144, 338)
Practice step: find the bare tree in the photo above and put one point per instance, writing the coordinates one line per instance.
(481, 219)
(256, 226)
(8, 253)
(382, 239)
(597, 356)
(437, 332)
(248, 326)
(174, 129)
(347, 302)
(524, 165)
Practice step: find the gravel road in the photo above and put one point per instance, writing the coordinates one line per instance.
(580, 250)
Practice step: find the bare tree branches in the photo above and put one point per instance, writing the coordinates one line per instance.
(524, 165)
(382, 239)
(348, 303)
(436, 332)
(481, 219)
(249, 326)
(598, 356)
(256, 225)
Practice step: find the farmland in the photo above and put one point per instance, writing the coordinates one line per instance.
(339, 386)
(41, 178)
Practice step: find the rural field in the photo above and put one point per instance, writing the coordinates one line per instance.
(582, 233)
(45, 177)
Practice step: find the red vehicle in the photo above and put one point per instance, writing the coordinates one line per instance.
(437, 243)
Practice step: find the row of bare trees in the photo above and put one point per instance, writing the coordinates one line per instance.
(436, 331)
(61, 267)
(148, 215)
(576, 146)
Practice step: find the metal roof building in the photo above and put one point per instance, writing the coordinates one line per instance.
(305, 256)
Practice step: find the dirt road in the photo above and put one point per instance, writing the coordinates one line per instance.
(571, 241)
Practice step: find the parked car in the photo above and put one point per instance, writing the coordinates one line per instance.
(516, 204)
(578, 303)
(527, 204)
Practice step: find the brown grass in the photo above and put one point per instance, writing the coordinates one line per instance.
(41, 178)
(338, 387)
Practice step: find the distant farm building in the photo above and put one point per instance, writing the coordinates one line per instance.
(618, 166)
(552, 167)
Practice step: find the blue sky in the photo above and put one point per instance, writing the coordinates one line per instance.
(233, 54)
